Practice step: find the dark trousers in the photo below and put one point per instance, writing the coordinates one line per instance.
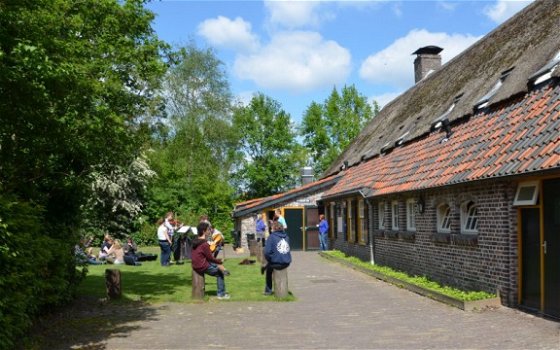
(165, 252)
(269, 268)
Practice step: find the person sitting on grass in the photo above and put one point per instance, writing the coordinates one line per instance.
(277, 253)
(115, 255)
(204, 262)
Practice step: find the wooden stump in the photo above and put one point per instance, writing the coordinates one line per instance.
(252, 247)
(198, 285)
(260, 254)
(280, 279)
(113, 283)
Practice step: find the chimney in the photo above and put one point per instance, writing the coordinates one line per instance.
(427, 61)
(306, 175)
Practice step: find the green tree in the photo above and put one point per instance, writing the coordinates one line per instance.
(194, 156)
(74, 77)
(329, 128)
(271, 156)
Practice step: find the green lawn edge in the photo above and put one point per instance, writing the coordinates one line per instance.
(418, 281)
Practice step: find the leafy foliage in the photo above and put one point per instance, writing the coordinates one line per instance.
(116, 200)
(272, 157)
(329, 128)
(195, 150)
(74, 78)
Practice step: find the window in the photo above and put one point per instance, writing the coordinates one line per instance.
(527, 193)
(362, 227)
(395, 215)
(351, 222)
(339, 220)
(444, 218)
(381, 211)
(411, 215)
(331, 220)
(469, 218)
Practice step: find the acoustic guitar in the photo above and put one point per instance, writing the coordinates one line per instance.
(217, 240)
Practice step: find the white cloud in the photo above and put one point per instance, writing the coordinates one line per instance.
(383, 99)
(293, 14)
(447, 6)
(224, 32)
(504, 9)
(299, 61)
(394, 66)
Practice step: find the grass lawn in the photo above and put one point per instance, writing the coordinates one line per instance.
(154, 283)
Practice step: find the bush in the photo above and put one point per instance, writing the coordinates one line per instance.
(37, 270)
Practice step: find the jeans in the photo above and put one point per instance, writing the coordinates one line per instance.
(165, 252)
(323, 241)
(213, 270)
(269, 269)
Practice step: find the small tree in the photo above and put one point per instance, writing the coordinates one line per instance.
(271, 156)
(329, 128)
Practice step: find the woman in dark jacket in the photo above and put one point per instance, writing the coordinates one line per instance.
(277, 253)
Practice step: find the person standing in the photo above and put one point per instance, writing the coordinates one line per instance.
(204, 262)
(323, 231)
(164, 242)
(280, 219)
(260, 228)
(277, 254)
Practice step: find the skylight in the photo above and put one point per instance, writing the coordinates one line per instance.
(545, 73)
(484, 101)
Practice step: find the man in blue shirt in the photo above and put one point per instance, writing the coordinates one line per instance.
(323, 231)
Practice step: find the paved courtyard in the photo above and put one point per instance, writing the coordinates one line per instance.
(337, 308)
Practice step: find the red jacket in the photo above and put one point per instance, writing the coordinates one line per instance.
(201, 256)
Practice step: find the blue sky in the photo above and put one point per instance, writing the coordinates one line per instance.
(297, 51)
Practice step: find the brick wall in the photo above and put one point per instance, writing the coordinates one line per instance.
(485, 261)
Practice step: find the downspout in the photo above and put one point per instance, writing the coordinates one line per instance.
(371, 255)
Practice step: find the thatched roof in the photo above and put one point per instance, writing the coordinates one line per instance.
(526, 42)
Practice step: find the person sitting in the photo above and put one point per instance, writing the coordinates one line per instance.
(130, 256)
(203, 262)
(115, 255)
(83, 258)
(105, 246)
(277, 254)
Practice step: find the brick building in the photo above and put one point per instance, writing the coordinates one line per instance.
(458, 178)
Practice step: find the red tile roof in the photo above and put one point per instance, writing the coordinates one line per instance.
(278, 198)
(517, 138)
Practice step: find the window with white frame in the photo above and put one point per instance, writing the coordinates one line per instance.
(443, 218)
(381, 214)
(411, 214)
(527, 193)
(339, 219)
(351, 222)
(363, 223)
(395, 215)
(469, 218)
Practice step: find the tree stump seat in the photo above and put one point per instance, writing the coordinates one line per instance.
(113, 283)
(198, 285)
(280, 280)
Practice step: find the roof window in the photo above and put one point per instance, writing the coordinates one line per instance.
(484, 101)
(545, 73)
(401, 139)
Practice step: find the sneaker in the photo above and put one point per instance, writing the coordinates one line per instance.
(224, 297)
(267, 294)
(226, 273)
